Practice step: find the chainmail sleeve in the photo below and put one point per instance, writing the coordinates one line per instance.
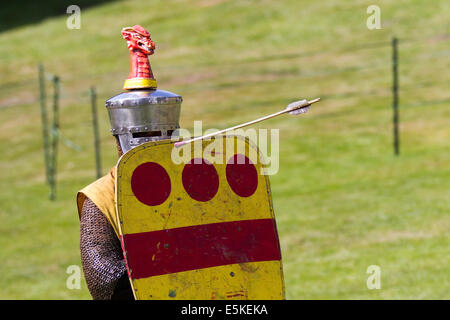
(101, 256)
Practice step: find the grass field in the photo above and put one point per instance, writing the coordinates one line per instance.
(343, 201)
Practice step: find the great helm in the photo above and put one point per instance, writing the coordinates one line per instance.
(142, 113)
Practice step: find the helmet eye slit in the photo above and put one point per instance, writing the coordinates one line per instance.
(147, 134)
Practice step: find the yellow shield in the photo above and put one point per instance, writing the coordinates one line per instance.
(197, 222)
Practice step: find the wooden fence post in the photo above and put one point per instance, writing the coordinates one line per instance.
(395, 96)
(98, 164)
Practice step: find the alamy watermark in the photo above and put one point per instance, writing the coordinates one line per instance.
(262, 148)
(73, 281)
(374, 20)
(374, 278)
(74, 20)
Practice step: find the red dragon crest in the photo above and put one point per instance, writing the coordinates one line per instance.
(140, 46)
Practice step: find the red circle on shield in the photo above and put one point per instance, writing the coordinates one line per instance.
(200, 179)
(242, 175)
(150, 183)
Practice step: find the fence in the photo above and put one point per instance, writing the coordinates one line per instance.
(50, 137)
(392, 61)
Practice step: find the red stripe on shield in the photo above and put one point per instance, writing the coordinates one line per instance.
(202, 246)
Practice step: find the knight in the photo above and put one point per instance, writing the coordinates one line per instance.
(153, 227)
(140, 114)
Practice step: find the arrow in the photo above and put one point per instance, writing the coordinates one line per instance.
(294, 108)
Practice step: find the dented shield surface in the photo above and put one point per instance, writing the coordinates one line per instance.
(202, 228)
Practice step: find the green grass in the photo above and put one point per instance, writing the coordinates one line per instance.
(343, 202)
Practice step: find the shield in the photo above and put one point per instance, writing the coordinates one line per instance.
(197, 222)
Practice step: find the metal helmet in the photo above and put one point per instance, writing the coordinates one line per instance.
(142, 113)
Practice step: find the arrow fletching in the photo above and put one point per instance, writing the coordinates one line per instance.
(301, 106)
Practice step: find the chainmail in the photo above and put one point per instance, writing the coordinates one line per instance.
(101, 256)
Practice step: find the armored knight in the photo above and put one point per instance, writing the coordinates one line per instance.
(153, 228)
(140, 114)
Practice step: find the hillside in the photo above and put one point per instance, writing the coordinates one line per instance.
(343, 201)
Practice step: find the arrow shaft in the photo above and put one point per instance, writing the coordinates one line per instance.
(242, 125)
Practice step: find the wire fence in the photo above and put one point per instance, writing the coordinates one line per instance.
(401, 64)
(312, 72)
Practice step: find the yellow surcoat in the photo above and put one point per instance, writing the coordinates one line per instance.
(102, 193)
